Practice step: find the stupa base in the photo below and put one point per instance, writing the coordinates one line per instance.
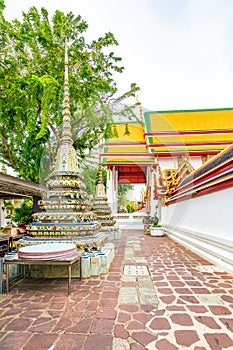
(94, 264)
(113, 235)
(96, 241)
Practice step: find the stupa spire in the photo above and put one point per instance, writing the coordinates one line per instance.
(66, 123)
(66, 159)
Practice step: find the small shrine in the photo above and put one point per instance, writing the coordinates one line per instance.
(103, 211)
(66, 214)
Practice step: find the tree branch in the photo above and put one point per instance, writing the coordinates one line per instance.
(54, 131)
(9, 155)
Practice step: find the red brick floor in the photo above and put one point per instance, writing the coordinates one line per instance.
(194, 309)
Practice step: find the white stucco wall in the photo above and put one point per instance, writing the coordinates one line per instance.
(112, 190)
(205, 225)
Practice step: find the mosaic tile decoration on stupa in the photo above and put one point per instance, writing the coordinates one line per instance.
(66, 214)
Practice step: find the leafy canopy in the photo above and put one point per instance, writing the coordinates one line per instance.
(31, 87)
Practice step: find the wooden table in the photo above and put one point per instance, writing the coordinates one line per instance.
(5, 239)
(67, 261)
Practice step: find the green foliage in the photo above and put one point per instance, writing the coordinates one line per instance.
(124, 188)
(90, 174)
(130, 208)
(8, 205)
(122, 192)
(31, 87)
(23, 212)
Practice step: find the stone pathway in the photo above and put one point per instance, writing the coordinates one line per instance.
(183, 303)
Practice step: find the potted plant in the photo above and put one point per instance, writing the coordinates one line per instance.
(156, 230)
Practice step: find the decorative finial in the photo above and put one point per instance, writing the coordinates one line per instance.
(140, 109)
(66, 123)
(3, 171)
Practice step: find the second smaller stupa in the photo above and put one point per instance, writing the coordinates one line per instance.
(103, 212)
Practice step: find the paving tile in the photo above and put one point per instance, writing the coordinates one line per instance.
(186, 337)
(183, 291)
(168, 299)
(208, 321)
(197, 308)
(102, 326)
(142, 317)
(228, 323)
(98, 342)
(135, 325)
(182, 319)
(44, 327)
(14, 341)
(227, 298)
(219, 310)
(4, 321)
(19, 324)
(175, 308)
(201, 290)
(123, 317)
(106, 313)
(62, 324)
(70, 342)
(165, 345)
(120, 332)
(39, 342)
(165, 291)
(143, 337)
(160, 323)
(108, 302)
(82, 327)
(218, 341)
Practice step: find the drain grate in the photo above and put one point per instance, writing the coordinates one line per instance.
(136, 270)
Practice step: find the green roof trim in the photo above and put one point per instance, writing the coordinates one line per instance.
(191, 110)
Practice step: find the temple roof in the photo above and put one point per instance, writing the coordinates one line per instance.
(128, 148)
(196, 132)
(170, 133)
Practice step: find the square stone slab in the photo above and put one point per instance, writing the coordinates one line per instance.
(136, 270)
(128, 299)
(209, 299)
(146, 299)
(209, 268)
(128, 291)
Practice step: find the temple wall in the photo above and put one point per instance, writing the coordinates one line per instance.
(205, 225)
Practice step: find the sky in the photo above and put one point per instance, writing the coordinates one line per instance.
(180, 52)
